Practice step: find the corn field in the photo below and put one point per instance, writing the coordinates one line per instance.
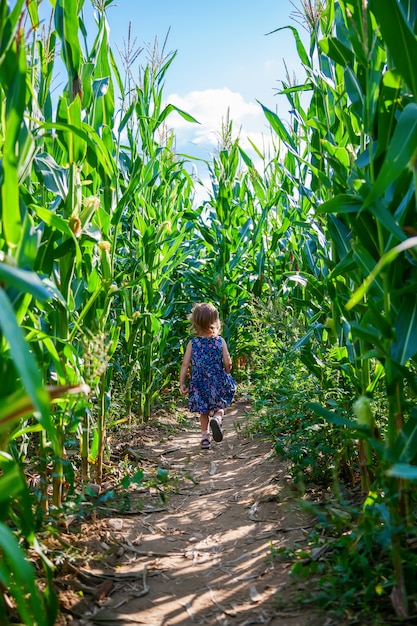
(103, 250)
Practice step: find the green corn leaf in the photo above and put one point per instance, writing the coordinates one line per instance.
(27, 150)
(387, 258)
(375, 318)
(399, 38)
(127, 117)
(12, 471)
(401, 152)
(304, 58)
(355, 92)
(337, 51)
(26, 365)
(169, 109)
(23, 583)
(26, 282)
(78, 145)
(87, 70)
(403, 470)
(9, 21)
(405, 347)
(381, 213)
(338, 420)
(103, 111)
(405, 449)
(367, 333)
(246, 159)
(342, 203)
(54, 176)
(116, 72)
(341, 236)
(66, 24)
(345, 267)
(87, 134)
(101, 86)
(86, 308)
(278, 127)
(32, 6)
(378, 374)
(387, 108)
(35, 334)
(366, 263)
(21, 432)
(52, 219)
(294, 90)
(93, 453)
(338, 154)
(15, 105)
(11, 483)
(164, 68)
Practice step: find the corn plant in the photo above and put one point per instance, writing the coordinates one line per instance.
(74, 214)
(30, 374)
(359, 140)
(227, 245)
(156, 192)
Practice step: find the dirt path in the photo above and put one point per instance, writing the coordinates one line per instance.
(203, 558)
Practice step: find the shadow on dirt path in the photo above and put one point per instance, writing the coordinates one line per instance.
(203, 558)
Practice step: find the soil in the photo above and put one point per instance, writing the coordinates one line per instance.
(204, 555)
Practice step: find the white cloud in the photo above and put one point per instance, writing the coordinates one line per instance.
(211, 107)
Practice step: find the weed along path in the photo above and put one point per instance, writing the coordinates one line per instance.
(202, 557)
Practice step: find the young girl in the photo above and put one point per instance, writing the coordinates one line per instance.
(211, 386)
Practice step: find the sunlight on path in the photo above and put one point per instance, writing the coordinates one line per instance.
(204, 558)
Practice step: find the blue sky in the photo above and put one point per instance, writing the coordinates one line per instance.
(220, 44)
(225, 60)
(222, 47)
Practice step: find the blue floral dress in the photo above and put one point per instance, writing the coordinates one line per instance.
(210, 386)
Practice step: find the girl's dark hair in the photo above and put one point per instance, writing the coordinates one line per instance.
(205, 318)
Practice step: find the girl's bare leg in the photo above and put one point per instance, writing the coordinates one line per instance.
(205, 437)
(204, 423)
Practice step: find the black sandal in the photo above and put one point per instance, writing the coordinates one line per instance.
(205, 443)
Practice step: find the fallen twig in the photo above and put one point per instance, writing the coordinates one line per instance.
(136, 512)
(116, 576)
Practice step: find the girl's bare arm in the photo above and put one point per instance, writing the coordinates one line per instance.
(227, 361)
(184, 368)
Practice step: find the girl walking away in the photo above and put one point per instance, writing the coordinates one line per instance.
(211, 387)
